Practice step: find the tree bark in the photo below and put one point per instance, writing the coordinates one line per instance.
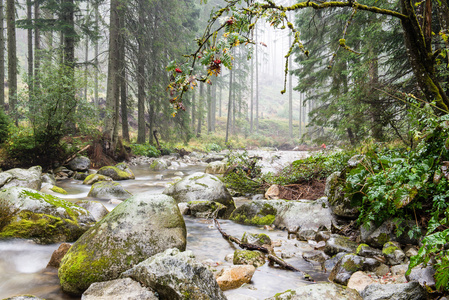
(12, 58)
(228, 119)
(2, 57)
(30, 50)
(37, 46)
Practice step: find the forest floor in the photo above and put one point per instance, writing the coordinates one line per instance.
(310, 190)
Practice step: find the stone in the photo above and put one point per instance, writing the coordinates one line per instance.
(348, 265)
(46, 219)
(377, 236)
(141, 226)
(359, 281)
(52, 189)
(29, 178)
(382, 270)
(24, 297)
(425, 276)
(317, 291)
(107, 190)
(80, 175)
(393, 253)
(201, 187)
(159, 164)
(213, 157)
(216, 167)
(367, 251)
(258, 239)
(337, 243)
(79, 163)
(184, 208)
(331, 263)
(258, 212)
(340, 205)
(45, 178)
(272, 192)
(176, 275)
(322, 236)
(58, 254)
(123, 289)
(235, 276)
(305, 217)
(96, 209)
(94, 178)
(206, 209)
(120, 171)
(248, 257)
(409, 291)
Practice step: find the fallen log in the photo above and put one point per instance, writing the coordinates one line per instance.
(271, 256)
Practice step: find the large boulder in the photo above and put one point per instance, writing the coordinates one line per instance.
(258, 212)
(142, 226)
(337, 243)
(94, 178)
(29, 178)
(159, 164)
(339, 203)
(107, 190)
(206, 209)
(123, 289)
(79, 163)
(318, 291)
(176, 275)
(29, 214)
(201, 186)
(305, 217)
(120, 171)
(409, 291)
(97, 209)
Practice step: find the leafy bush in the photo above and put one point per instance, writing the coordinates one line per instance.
(5, 124)
(213, 147)
(145, 150)
(244, 176)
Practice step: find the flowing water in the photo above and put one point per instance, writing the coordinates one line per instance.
(23, 263)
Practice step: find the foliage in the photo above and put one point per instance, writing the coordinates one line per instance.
(213, 147)
(145, 150)
(315, 167)
(5, 124)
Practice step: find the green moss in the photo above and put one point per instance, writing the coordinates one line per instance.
(350, 266)
(59, 190)
(359, 248)
(383, 238)
(389, 248)
(201, 184)
(114, 172)
(57, 202)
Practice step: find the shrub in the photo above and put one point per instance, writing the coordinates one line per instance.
(145, 150)
(5, 124)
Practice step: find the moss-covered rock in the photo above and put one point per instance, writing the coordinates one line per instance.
(348, 265)
(216, 167)
(206, 209)
(257, 212)
(258, 239)
(120, 171)
(159, 164)
(319, 291)
(248, 257)
(59, 190)
(94, 178)
(337, 243)
(29, 178)
(199, 187)
(107, 190)
(29, 214)
(339, 203)
(79, 163)
(393, 253)
(136, 229)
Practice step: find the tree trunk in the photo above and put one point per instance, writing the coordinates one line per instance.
(111, 118)
(209, 108)
(228, 120)
(96, 71)
(256, 123)
(30, 50)
(37, 46)
(193, 109)
(12, 58)
(123, 83)
(200, 110)
(2, 57)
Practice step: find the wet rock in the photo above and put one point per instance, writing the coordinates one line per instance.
(176, 275)
(206, 209)
(377, 236)
(340, 204)
(24, 297)
(96, 209)
(52, 189)
(123, 289)
(393, 253)
(159, 164)
(258, 239)
(136, 229)
(28, 178)
(337, 243)
(305, 217)
(80, 175)
(107, 190)
(202, 187)
(248, 257)
(331, 263)
(79, 163)
(184, 208)
(382, 270)
(409, 291)
(58, 254)
(235, 276)
(120, 171)
(317, 256)
(348, 265)
(216, 167)
(322, 236)
(425, 276)
(94, 178)
(359, 281)
(412, 251)
(29, 214)
(213, 157)
(257, 212)
(323, 291)
(272, 192)
(174, 165)
(367, 251)
(45, 178)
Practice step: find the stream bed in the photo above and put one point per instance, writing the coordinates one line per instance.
(23, 263)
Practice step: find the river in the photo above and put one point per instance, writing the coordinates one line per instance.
(23, 263)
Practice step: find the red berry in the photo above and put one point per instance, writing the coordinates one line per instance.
(178, 70)
(230, 22)
(217, 61)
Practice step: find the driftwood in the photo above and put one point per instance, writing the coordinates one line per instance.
(74, 155)
(271, 256)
